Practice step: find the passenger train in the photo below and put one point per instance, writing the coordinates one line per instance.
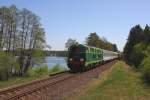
(82, 57)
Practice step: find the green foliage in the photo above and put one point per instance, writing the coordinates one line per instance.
(138, 55)
(147, 51)
(147, 34)
(7, 63)
(114, 48)
(41, 70)
(136, 45)
(135, 37)
(30, 72)
(21, 34)
(146, 65)
(56, 68)
(44, 70)
(137, 50)
(146, 68)
(70, 42)
(38, 71)
(38, 53)
(94, 40)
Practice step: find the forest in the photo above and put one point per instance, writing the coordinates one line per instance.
(137, 50)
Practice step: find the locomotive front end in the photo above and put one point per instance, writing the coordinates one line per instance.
(76, 58)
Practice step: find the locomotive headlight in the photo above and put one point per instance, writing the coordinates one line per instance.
(70, 59)
(81, 59)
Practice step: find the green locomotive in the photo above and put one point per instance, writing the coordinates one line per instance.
(82, 57)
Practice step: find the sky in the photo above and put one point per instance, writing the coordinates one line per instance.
(64, 19)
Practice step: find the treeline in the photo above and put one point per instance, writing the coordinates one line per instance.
(21, 33)
(94, 40)
(137, 49)
(56, 53)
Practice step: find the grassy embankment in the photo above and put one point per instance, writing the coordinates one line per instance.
(33, 74)
(118, 83)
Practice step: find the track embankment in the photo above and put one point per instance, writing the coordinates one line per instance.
(53, 88)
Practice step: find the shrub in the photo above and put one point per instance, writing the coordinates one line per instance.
(43, 70)
(146, 68)
(37, 71)
(7, 63)
(56, 68)
(137, 55)
(30, 71)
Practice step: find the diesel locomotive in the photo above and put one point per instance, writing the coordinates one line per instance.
(82, 57)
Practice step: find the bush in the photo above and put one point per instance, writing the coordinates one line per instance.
(30, 71)
(56, 68)
(137, 55)
(146, 64)
(37, 71)
(146, 69)
(43, 70)
(7, 63)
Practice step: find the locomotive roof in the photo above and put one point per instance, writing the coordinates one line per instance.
(95, 48)
(98, 48)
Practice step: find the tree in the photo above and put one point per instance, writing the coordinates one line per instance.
(21, 34)
(7, 64)
(146, 65)
(93, 40)
(114, 48)
(147, 34)
(70, 42)
(135, 36)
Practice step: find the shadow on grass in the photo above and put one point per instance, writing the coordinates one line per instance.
(145, 81)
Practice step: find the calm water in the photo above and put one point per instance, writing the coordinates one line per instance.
(52, 61)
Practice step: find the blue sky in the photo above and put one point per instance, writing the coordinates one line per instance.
(63, 19)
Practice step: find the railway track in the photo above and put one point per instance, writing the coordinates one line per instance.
(18, 92)
(53, 85)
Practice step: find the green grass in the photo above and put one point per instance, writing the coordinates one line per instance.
(121, 83)
(56, 68)
(17, 80)
(33, 74)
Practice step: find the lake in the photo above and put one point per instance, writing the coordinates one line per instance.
(52, 61)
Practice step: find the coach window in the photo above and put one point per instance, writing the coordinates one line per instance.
(94, 56)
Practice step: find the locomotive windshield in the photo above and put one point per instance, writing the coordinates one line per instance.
(76, 49)
(76, 52)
